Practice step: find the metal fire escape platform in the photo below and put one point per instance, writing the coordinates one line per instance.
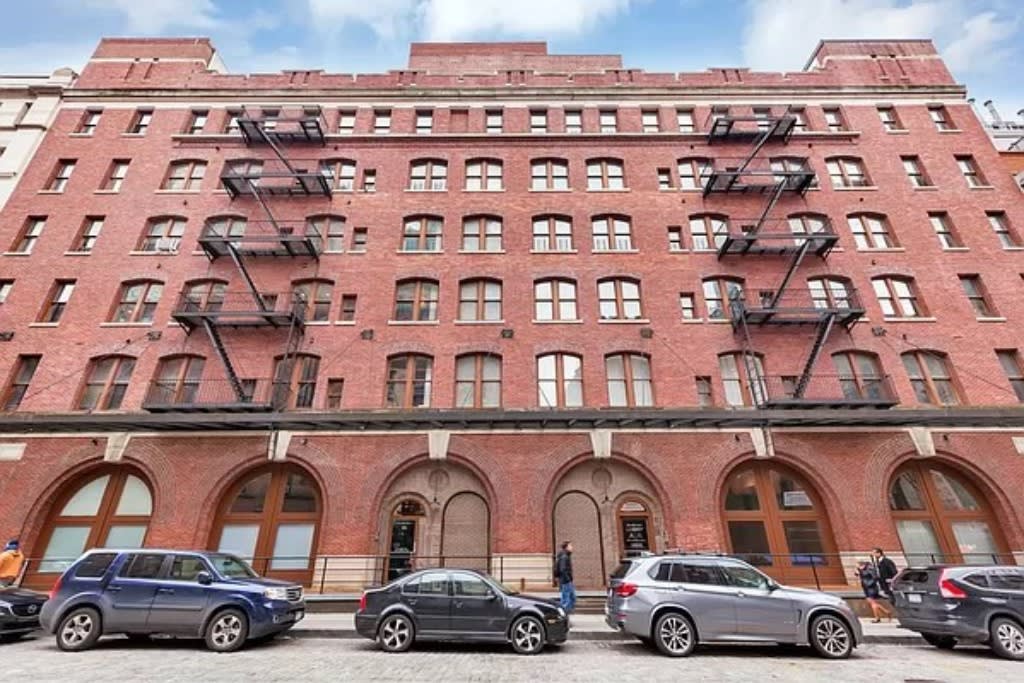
(726, 128)
(795, 307)
(305, 126)
(776, 238)
(240, 309)
(276, 239)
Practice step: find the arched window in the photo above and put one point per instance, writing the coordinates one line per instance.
(416, 300)
(184, 175)
(831, 292)
(478, 380)
(480, 300)
(162, 234)
(330, 229)
(871, 231)
(137, 301)
(694, 173)
(619, 299)
(241, 172)
(847, 172)
(808, 224)
(612, 233)
(605, 174)
(718, 292)
(560, 380)
(552, 233)
(176, 380)
(775, 520)
(271, 517)
(315, 296)
(340, 174)
(708, 231)
(298, 373)
(931, 376)
(481, 233)
(106, 382)
(791, 168)
(860, 375)
(105, 508)
(410, 379)
(204, 295)
(232, 227)
(483, 174)
(743, 378)
(428, 174)
(422, 233)
(629, 380)
(941, 517)
(549, 174)
(555, 299)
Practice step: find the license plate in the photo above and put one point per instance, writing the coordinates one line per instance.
(299, 614)
(913, 597)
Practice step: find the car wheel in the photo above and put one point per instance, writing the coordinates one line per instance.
(396, 633)
(831, 637)
(674, 635)
(79, 629)
(227, 631)
(527, 635)
(1007, 638)
(939, 641)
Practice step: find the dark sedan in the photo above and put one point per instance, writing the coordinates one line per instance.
(19, 612)
(458, 605)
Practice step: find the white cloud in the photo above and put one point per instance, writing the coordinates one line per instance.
(43, 57)
(781, 34)
(388, 19)
(152, 17)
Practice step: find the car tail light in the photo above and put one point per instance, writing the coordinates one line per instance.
(948, 589)
(56, 587)
(362, 602)
(625, 589)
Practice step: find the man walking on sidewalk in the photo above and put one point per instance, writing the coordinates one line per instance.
(886, 571)
(563, 575)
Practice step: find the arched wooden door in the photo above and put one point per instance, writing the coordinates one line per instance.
(271, 517)
(109, 507)
(465, 536)
(776, 521)
(941, 516)
(577, 519)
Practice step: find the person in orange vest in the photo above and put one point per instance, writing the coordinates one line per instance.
(11, 561)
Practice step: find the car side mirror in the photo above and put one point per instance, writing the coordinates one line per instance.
(772, 586)
(492, 596)
(204, 578)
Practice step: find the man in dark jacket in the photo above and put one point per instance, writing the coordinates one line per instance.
(563, 575)
(886, 572)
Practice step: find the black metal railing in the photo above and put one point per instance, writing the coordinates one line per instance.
(283, 128)
(294, 177)
(239, 308)
(726, 127)
(216, 395)
(777, 237)
(795, 305)
(262, 238)
(824, 390)
(757, 176)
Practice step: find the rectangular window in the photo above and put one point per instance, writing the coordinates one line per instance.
(335, 388)
(573, 121)
(346, 121)
(231, 124)
(1001, 226)
(369, 180)
(847, 172)
(5, 290)
(834, 119)
(763, 117)
(91, 119)
(184, 176)
(60, 295)
(424, 122)
(943, 227)
(61, 175)
(664, 179)
(495, 121)
(538, 120)
(609, 121)
(24, 369)
(1010, 361)
(940, 117)
(688, 305)
(382, 121)
(799, 119)
(115, 175)
(897, 298)
(197, 121)
(971, 172)
(359, 238)
(977, 296)
(705, 399)
(890, 122)
(140, 122)
(89, 233)
(684, 120)
(915, 172)
(871, 232)
(675, 238)
(30, 234)
(348, 307)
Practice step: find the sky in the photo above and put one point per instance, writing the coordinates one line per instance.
(981, 40)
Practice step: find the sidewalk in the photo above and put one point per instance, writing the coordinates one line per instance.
(582, 627)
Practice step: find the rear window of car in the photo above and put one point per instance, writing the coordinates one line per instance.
(693, 573)
(915, 576)
(976, 580)
(94, 566)
(142, 566)
(1008, 579)
(624, 568)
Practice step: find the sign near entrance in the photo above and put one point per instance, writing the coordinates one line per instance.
(635, 538)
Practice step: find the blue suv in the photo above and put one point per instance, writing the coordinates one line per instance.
(190, 594)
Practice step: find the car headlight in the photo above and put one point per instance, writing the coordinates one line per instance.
(561, 612)
(276, 593)
(5, 608)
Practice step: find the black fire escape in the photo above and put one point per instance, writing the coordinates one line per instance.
(781, 305)
(264, 181)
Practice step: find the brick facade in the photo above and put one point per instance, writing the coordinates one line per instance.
(680, 473)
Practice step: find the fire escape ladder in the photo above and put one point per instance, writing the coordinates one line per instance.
(222, 353)
(798, 257)
(824, 329)
(780, 187)
(261, 304)
(759, 142)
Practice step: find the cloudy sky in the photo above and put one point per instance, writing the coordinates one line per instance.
(982, 40)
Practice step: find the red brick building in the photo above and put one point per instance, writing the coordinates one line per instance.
(463, 310)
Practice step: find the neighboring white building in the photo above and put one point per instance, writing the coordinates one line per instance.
(1007, 136)
(28, 105)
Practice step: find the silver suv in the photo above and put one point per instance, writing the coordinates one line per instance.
(676, 601)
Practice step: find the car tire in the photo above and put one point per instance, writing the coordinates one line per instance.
(227, 630)
(831, 637)
(674, 635)
(1007, 638)
(396, 633)
(527, 635)
(940, 641)
(79, 629)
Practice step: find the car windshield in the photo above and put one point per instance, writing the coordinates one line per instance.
(232, 567)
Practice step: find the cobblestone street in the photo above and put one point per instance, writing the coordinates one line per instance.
(314, 659)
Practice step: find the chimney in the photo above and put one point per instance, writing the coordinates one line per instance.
(996, 119)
